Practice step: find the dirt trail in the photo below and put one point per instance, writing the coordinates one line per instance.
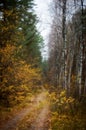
(38, 124)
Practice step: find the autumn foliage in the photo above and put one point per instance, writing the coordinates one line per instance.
(19, 66)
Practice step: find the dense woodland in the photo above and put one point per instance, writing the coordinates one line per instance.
(20, 44)
(67, 45)
(67, 60)
(24, 73)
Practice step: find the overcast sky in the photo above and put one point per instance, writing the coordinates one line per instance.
(42, 11)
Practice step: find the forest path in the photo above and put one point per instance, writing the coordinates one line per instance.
(40, 119)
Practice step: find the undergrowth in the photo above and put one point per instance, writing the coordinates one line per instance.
(66, 113)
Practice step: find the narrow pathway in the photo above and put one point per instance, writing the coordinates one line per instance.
(42, 120)
(39, 124)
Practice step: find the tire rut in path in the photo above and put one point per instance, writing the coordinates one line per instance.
(12, 124)
(41, 123)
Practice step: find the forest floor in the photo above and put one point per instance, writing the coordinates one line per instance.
(33, 117)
